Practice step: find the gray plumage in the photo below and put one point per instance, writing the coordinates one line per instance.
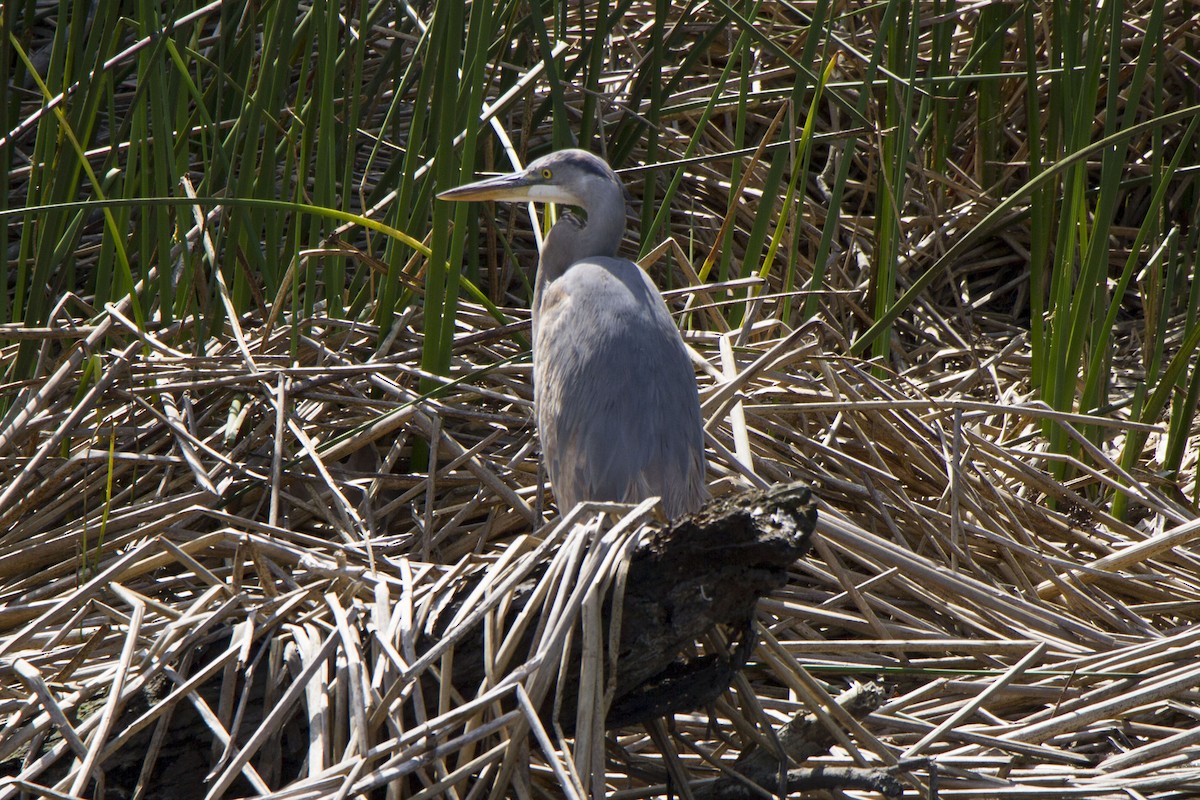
(614, 392)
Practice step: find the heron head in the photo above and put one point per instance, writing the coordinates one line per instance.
(570, 177)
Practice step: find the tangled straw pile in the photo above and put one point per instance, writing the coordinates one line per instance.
(217, 568)
(244, 564)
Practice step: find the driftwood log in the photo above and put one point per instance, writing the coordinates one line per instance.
(703, 573)
(708, 570)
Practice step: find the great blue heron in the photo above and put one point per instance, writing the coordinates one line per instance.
(614, 391)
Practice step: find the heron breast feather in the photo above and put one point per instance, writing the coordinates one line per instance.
(614, 389)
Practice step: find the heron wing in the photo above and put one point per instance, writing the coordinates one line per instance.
(617, 406)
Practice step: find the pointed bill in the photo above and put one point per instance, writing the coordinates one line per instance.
(516, 186)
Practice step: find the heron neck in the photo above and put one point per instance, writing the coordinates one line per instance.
(572, 239)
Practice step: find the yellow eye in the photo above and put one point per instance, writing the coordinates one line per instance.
(547, 174)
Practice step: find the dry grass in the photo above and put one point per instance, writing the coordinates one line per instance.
(264, 535)
(220, 563)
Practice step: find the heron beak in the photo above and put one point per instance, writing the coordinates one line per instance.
(516, 186)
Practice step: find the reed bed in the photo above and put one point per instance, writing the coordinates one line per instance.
(230, 543)
(254, 522)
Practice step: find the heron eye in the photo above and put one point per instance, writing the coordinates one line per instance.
(547, 174)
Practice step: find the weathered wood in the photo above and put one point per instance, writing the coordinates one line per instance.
(704, 572)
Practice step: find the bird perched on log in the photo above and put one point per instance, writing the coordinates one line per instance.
(614, 392)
